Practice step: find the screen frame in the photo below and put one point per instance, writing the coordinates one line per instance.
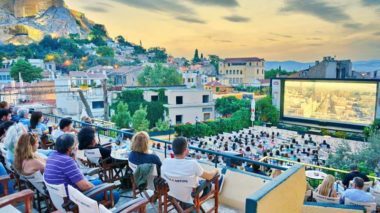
(323, 123)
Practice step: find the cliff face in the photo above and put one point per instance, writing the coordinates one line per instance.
(26, 21)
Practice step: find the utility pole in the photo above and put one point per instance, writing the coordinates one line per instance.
(85, 103)
(105, 99)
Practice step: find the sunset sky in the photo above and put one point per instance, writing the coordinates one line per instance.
(303, 30)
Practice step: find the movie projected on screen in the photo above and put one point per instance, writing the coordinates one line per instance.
(331, 101)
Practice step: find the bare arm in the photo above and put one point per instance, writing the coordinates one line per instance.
(208, 175)
(84, 185)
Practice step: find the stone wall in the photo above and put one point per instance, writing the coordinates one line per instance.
(30, 8)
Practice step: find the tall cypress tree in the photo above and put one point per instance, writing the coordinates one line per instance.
(196, 57)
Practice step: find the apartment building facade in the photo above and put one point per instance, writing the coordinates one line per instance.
(242, 71)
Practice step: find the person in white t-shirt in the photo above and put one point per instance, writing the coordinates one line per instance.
(181, 167)
(65, 126)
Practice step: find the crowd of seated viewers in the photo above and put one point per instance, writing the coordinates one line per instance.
(21, 138)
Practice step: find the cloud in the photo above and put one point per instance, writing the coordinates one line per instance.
(354, 26)
(371, 2)
(377, 33)
(96, 9)
(222, 3)
(166, 6)
(223, 41)
(271, 39)
(314, 39)
(281, 35)
(190, 19)
(237, 18)
(316, 8)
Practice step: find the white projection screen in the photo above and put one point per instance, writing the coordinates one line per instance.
(345, 102)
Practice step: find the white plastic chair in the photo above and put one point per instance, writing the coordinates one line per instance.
(93, 155)
(324, 199)
(370, 207)
(84, 203)
(181, 186)
(376, 193)
(57, 195)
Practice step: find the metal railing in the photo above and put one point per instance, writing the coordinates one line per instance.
(332, 170)
(114, 133)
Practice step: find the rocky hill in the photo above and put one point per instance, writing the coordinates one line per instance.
(26, 21)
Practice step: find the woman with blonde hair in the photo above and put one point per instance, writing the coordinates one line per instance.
(326, 188)
(27, 162)
(140, 151)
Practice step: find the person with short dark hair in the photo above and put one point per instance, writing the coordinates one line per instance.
(180, 166)
(61, 167)
(354, 173)
(4, 105)
(5, 115)
(65, 126)
(87, 140)
(357, 193)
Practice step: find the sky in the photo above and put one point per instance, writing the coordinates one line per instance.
(302, 30)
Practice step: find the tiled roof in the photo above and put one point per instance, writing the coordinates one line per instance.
(214, 84)
(241, 60)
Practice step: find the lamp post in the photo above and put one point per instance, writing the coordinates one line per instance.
(170, 132)
(196, 124)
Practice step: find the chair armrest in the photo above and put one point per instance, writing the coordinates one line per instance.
(4, 179)
(203, 185)
(132, 205)
(25, 196)
(106, 145)
(99, 189)
(92, 171)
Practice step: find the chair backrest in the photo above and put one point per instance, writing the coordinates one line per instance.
(37, 181)
(324, 199)
(181, 186)
(84, 203)
(376, 193)
(370, 207)
(57, 195)
(93, 155)
(103, 209)
(152, 175)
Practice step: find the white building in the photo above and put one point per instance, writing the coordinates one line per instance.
(186, 105)
(68, 100)
(194, 79)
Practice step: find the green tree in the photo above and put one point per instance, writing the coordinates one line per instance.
(196, 58)
(28, 72)
(274, 72)
(162, 125)
(266, 112)
(228, 105)
(122, 116)
(214, 60)
(105, 51)
(159, 76)
(159, 54)
(139, 121)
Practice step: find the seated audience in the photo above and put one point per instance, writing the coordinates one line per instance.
(61, 167)
(36, 123)
(87, 140)
(65, 126)
(27, 161)
(354, 173)
(23, 117)
(326, 188)
(180, 166)
(5, 115)
(356, 193)
(4, 172)
(4, 127)
(140, 151)
(11, 138)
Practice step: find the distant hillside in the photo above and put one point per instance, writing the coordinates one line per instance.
(27, 21)
(369, 65)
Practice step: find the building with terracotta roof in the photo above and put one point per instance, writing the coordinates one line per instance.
(218, 88)
(242, 71)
